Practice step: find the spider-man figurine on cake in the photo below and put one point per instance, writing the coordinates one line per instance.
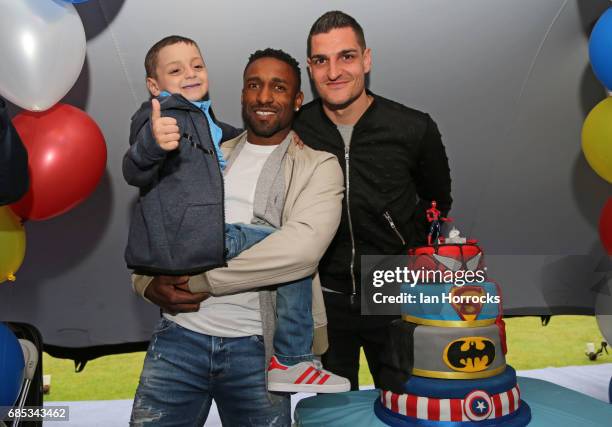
(434, 217)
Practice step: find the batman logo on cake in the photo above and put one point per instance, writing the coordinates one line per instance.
(469, 354)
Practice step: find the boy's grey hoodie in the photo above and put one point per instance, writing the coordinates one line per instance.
(177, 226)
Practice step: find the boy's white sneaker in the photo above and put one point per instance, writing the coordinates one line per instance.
(307, 377)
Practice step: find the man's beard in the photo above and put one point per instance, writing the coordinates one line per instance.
(260, 129)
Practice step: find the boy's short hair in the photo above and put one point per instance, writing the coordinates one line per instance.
(150, 62)
(332, 20)
(281, 56)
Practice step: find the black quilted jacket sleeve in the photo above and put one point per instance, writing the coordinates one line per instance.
(14, 180)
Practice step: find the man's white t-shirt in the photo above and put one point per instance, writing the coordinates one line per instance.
(233, 315)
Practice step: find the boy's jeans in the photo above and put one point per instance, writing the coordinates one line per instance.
(294, 325)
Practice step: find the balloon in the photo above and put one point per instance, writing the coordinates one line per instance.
(600, 49)
(11, 367)
(43, 51)
(66, 159)
(605, 227)
(597, 139)
(76, 1)
(12, 244)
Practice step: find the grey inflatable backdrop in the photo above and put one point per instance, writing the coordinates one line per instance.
(508, 82)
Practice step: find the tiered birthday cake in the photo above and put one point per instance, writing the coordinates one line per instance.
(445, 360)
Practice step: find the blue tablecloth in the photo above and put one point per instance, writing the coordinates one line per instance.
(551, 406)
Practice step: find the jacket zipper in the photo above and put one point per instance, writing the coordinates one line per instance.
(387, 216)
(197, 146)
(220, 175)
(348, 214)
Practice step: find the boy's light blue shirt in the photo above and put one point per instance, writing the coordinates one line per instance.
(215, 130)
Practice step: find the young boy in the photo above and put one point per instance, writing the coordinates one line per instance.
(178, 223)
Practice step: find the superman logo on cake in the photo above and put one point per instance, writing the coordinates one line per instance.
(467, 310)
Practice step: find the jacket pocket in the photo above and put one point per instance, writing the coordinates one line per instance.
(387, 216)
(199, 239)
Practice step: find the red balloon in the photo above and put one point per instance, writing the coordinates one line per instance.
(66, 159)
(605, 226)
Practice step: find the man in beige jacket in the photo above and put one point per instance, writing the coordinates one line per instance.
(215, 337)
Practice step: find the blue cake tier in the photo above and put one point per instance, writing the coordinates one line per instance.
(519, 418)
(455, 389)
(494, 401)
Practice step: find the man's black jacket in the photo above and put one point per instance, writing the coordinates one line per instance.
(397, 166)
(14, 180)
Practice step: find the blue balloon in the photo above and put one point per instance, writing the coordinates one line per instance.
(11, 366)
(600, 49)
(76, 1)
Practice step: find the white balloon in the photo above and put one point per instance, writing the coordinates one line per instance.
(42, 51)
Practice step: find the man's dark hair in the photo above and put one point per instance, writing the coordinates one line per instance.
(281, 56)
(151, 57)
(335, 19)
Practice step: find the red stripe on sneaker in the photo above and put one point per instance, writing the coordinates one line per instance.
(304, 375)
(433, 409)
(322, 380)
(394, 406)
(411, 405)
(456, 409)
(314, 377)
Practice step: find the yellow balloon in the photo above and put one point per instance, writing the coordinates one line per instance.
(12, 244)
(597, 139)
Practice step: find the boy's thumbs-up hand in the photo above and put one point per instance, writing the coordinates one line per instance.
(165, 129)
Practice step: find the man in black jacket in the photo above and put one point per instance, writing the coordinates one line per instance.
(14, 178)
(394, 165)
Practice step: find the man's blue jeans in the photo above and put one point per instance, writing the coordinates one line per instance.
(294, 325)
(185, 370)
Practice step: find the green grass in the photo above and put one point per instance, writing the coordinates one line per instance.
(561, 343)
(105, 378)
(530, 346)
